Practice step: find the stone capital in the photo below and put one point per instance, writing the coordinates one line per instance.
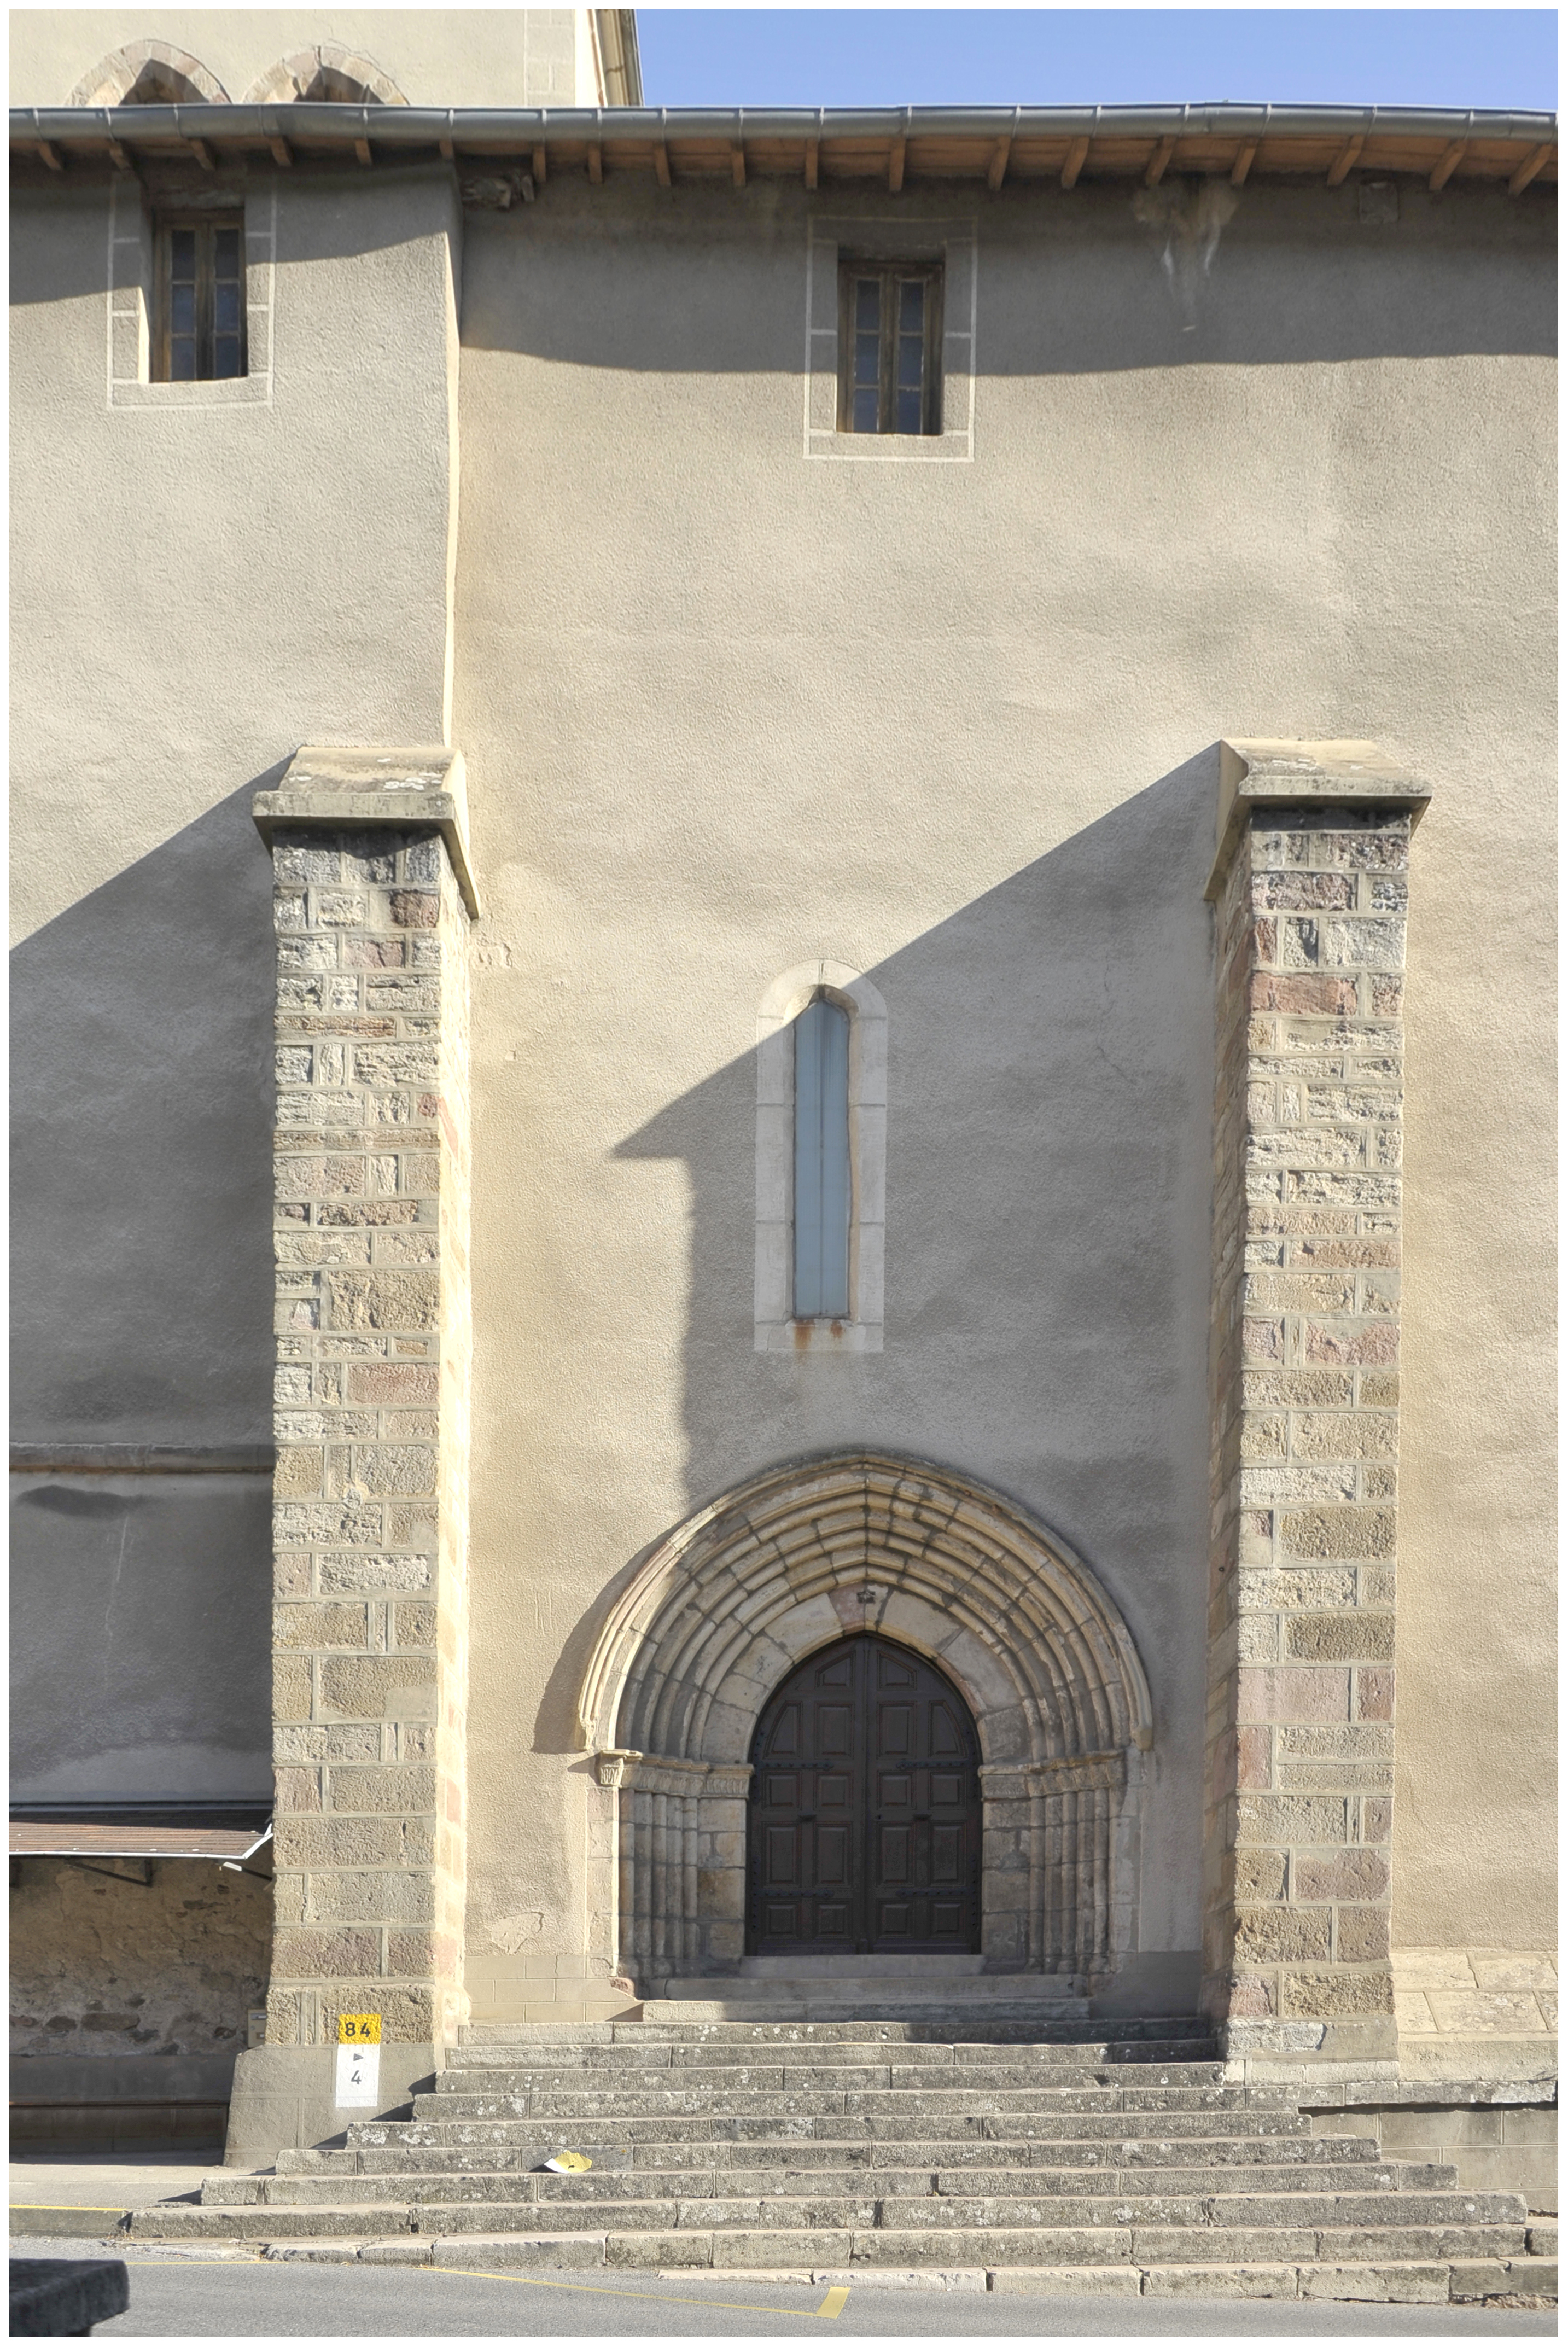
(1295, 773)
(364, 787)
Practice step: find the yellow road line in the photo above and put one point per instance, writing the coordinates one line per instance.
(832, 2305)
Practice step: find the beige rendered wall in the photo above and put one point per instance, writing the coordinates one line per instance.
(434, 56)
(726, 708)
(197, 589)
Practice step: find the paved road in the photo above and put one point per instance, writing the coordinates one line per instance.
(175, 2298)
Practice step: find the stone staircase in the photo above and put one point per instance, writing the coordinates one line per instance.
(1065, 2156)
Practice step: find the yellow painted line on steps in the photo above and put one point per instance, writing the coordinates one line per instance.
(832, 2305)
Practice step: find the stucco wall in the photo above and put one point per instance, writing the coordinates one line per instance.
(198, 588)
(435, 56)
(726, 709)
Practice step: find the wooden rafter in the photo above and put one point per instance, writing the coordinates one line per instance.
(361, 148)
(1346, 156)
(996, 169)
(1159, 162)
(1452, 158)
(737, 163)
(661, 163)
(202, 152)
(1534, 161)
(285, 154)
(596, 165)
(539, 166)
(51, 155)
(813, 155)
(1243, 163)
(1077, 156)
(896, 153)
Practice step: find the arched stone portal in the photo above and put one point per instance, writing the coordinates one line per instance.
(743, 1591)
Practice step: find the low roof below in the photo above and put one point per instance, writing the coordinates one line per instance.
(890, 146)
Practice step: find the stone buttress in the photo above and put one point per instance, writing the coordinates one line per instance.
(372, 899)
(1309, 892)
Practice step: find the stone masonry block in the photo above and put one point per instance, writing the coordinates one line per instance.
(329, 1841)
(304, 1954)
(1335, 1995)
(1266, 1935)
(1337, 1532)
(1361, 1934)
(379, 1687)
(291, 1688)
(402, 1790)
(1350, 1637)
(389, 1299)
(320, 1625)
(1284, 1695)
(1360, 1874)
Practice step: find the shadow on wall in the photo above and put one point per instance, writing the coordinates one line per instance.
(698, 280)
(1050, 1070)
(141, 1303)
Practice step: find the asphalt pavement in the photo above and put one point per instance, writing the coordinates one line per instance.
(248, 2297)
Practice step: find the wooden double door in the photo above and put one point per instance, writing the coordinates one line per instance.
(864, 1829)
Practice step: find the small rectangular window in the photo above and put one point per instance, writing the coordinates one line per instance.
(200, 299)
(889, 346)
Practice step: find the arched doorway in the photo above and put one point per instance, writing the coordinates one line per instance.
(863, 1820)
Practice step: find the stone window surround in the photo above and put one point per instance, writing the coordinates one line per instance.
(775, 1330)
(129, 309)
(892, 237)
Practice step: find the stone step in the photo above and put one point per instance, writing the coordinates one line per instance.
(1300, 2155)
(905, 2182)
(1417, 2282)
(1052, 2124)
(796, 2077)
(476, 2038)
(948, 2017)
(911, 2104)
(1005, 2240)
(655, 2056)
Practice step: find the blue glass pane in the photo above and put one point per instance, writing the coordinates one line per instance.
(182, 253)
(864, 410)
(867, 352)
(911, 364)
(183, 309)
(911, 307)
(868, 302)
(909, 418)
(226, 309)
(227, 251)
(226, 355)
(182, 362)
(822, 1163)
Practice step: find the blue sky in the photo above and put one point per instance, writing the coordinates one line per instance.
(929, 57)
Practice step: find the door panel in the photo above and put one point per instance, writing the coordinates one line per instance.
(868, 1837)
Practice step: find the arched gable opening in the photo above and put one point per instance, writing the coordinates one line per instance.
(325, 75)
(149, 73)
(725, 1608)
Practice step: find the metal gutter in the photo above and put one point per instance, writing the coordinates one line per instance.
(491, 131)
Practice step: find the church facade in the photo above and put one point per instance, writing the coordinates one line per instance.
(784, 1054)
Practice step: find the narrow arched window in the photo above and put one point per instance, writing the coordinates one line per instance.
(822, 1163)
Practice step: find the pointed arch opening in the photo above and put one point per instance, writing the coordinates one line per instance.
(727, 1605)
(325, 75)
(149, 73)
